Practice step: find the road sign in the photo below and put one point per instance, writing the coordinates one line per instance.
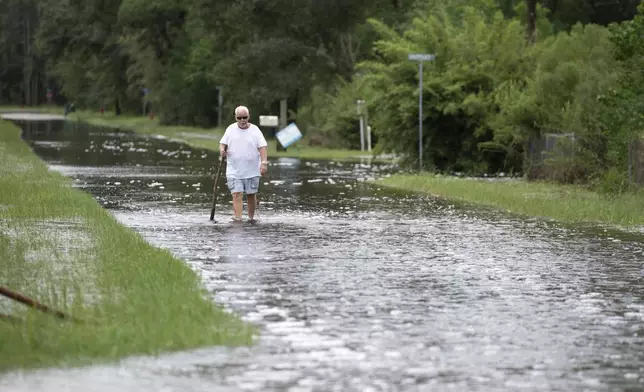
(268, 121)
(289, 135)
(421, 57)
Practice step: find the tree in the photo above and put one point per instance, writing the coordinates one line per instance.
(22, 72)
(532, 21)
(81, 43)
(477, 52)
(572, 71)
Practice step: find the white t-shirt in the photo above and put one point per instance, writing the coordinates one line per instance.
(243, 156)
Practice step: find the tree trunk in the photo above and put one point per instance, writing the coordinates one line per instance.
(532, 21)
(28, 61)
(35, 90)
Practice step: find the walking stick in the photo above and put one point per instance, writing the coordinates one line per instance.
(16, 296)
(214, 188)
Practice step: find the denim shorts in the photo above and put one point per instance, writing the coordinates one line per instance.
(249, 186)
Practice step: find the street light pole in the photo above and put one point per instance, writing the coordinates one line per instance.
(420, 58)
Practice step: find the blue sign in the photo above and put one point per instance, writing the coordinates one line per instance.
(289, 135)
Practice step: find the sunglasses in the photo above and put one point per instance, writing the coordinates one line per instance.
(242, 118)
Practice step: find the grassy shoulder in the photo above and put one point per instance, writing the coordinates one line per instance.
(538, 199)
(60, 247)
(196, 137)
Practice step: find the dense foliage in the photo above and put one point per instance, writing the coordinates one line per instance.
(504, 80)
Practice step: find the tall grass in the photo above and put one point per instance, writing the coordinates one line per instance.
(539, 199)
(60, 247)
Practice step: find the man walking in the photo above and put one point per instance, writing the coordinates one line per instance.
(245, 148)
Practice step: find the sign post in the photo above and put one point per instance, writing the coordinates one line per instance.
(145, 91)
(368, 134)
(420, 58)
(360, 102)
(220, 105)
(271, 122)
(283, 121)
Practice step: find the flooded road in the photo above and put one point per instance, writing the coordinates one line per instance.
(358, 288)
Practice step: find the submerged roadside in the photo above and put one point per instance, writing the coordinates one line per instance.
(59, 246)
(566, 203)
(207, 138)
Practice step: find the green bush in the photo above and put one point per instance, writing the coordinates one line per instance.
(611, 182)
(330, 117)
(476, 51)
(572, 72)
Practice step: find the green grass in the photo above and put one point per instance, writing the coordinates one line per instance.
(565, 203)
(196, 137)
(59, 246)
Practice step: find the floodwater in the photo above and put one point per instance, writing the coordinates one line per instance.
(358, 288)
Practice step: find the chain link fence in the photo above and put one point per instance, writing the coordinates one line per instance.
(545, 150)
(547, 153)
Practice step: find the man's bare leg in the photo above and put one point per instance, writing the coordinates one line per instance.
(252, 204)
(238, 204)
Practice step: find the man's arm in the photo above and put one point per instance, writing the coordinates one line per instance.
(264, 156)
(222, 149)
